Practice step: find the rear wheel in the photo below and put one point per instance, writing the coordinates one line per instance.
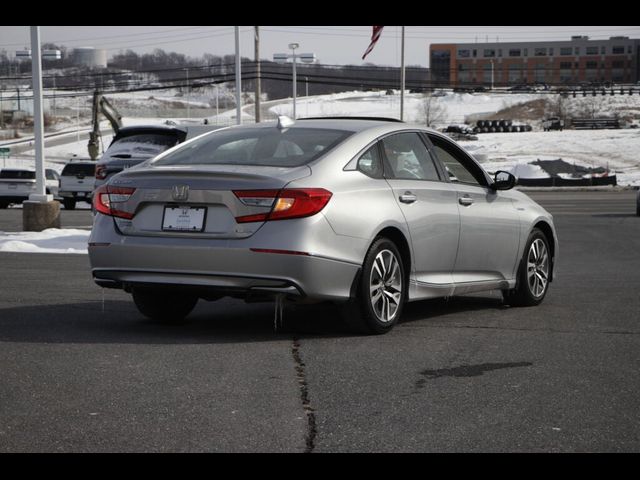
(69, 203)
(533, 273)
(163, 305)
(381, 290)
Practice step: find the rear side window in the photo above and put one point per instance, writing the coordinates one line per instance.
(370, 162)
(17, 174)
(261, 147)
(409, 158)
(75, 169)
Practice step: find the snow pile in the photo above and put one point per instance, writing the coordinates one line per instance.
(527, 170)
(52, 240)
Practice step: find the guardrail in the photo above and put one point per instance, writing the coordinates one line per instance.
(594, 123)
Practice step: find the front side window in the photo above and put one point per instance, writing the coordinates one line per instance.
(458, 166)
(408, 158)
(260, 147)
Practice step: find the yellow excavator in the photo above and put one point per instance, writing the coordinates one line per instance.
(101, 105)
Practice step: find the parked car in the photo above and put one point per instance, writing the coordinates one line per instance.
(135, 144)
(357, 212)
(76, 182)
(16, 184)
(522, 89)
(638, 204)
(552, 123)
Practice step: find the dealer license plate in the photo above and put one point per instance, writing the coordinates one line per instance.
(184, 219)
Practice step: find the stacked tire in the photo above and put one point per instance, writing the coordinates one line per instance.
(493, 126)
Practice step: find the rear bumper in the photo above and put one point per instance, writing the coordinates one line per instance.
(75, 194)
(218, 266)
(13, 198)
(226, 271)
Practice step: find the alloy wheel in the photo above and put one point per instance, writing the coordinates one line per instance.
(385, 286)
(538, 268)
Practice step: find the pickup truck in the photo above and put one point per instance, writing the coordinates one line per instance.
(16, 184)
(553, 123)
(76, 182)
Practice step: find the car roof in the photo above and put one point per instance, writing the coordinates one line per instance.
(349, 124)
(150, 129)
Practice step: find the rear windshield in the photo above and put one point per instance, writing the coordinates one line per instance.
(18, 174)
(73, 169)
(260, 147)
(143, 144)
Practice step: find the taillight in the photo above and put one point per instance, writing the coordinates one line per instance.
(285, 204)
(101, 172)
(106, 199)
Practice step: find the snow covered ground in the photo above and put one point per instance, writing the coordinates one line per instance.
(616, 150)
(52, 240)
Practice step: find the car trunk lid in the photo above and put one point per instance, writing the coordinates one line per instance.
(195, 201)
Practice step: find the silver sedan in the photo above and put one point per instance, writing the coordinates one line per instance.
(367, 213)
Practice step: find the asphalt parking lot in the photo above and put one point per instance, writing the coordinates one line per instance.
(82, 371)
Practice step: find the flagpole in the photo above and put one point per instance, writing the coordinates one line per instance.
(402, 77)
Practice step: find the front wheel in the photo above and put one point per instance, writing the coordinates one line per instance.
(164, 306)
(534, 273)
(381, 290)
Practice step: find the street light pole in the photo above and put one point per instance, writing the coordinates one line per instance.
(304, 57)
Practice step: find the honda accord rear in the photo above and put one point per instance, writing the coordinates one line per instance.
(367, 213)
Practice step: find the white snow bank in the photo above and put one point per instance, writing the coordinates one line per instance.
(52, 240)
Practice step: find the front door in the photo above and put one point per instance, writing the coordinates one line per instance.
(489, 222)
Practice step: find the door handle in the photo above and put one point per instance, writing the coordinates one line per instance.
(408, 197)
(466, 201)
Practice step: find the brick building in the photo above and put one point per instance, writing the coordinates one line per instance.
(574, 62)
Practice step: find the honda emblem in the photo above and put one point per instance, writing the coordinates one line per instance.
(180, 192)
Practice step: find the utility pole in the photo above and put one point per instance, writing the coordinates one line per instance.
(38, 120)
(258, 86)
(402, 79)
(40, 211)
(238, 80)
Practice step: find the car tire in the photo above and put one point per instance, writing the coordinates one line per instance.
(163, 305)
(534, 271)
(69, 203)
(381, 291)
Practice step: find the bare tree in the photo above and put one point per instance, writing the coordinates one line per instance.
(432, 111)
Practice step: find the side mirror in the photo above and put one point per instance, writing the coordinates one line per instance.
(504, 181)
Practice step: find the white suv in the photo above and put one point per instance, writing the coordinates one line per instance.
(16, 184)
(76, 182)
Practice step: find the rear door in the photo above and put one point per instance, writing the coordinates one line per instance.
(429, 207)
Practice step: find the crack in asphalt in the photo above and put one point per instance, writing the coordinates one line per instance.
(304, 395)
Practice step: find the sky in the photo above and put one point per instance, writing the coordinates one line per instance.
(338, 45)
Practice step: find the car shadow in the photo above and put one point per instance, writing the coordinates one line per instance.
(224, 321)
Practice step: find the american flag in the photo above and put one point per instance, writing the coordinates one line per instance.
(374, 38)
